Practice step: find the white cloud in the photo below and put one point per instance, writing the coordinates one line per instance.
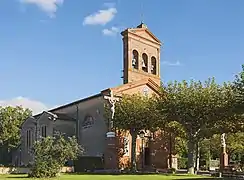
(48, 6)
(35, 106)
(177, 63)
(110, 32)
(101, 17)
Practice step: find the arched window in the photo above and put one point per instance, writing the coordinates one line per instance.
(144, 62)
(88, 122)
(153, 65)
(135, 59)
(29, 138)
(44, 131)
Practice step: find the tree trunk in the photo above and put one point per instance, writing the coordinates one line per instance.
(170, 150)
(197, 157)
(190, 163)
(133, 133)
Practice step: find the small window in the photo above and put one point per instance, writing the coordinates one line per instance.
(28, 139)
(44, 131)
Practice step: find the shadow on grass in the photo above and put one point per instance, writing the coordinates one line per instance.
(179, 176)
(17, 177)
(174, 176)
(118, 173)
(205, 178)
(189, 177)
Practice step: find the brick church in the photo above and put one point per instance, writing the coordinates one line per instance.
(85, 118)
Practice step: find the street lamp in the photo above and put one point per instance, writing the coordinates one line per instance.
(142, 136)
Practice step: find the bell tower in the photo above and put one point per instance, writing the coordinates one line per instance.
(141, 55)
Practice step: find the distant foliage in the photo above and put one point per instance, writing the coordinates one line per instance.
(238, 87)
(51, 153)
(11, 119)
(182, 163)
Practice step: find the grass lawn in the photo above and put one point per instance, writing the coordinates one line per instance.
(110, 177)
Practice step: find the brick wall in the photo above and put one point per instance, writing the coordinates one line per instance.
(159, 151)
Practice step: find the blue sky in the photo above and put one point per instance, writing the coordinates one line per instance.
(55, 51)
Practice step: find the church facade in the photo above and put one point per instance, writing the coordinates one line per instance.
(85, 118)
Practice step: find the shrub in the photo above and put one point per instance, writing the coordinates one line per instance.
(182, 163)
(51, 153)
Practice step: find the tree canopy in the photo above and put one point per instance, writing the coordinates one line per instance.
(238, 88)
(11, 119)
(201, 108)
(135, 112)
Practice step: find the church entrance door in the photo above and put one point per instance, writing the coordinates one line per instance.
(147, 156)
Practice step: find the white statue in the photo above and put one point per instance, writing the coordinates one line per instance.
(112, 100)
(223, 140)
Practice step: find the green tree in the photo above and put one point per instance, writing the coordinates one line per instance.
(51, 153)
(238, 87)
(234, 143)
(134, 113)
(177, 131)
(11, 119)
(177, 139)
(201, 108)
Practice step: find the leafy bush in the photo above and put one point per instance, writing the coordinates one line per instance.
(51, 153)
(182, 163)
